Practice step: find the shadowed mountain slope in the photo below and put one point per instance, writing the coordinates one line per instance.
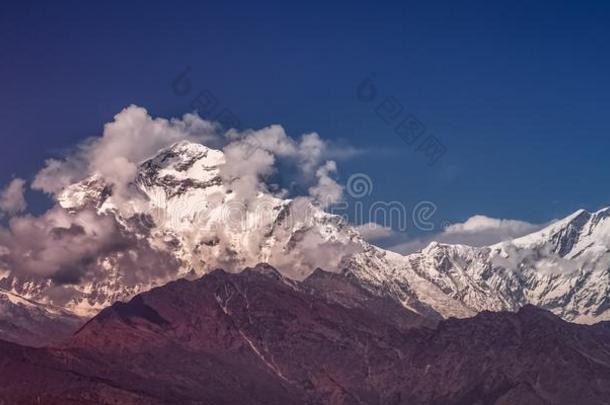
(257, 337)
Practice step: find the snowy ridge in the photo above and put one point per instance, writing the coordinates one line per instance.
(563, 268)
(187, 211)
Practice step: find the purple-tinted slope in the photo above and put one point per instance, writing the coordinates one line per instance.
(257, 338)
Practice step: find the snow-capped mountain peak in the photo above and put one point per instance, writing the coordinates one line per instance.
(560, 236)
(183, 206)
(182, 161)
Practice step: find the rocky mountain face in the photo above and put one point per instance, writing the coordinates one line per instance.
(34, 324)
(258, 337)
(189, 216)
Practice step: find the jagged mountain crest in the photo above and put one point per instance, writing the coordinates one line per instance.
(563, 267)
(181, 209)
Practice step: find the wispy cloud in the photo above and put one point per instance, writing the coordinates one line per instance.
(12, 200)
(372, 231)
(478, 230)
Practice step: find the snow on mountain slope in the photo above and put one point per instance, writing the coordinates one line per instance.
(564, 268)
(33, 324)
(188, 208)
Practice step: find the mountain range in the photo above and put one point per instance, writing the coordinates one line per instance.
(189, 216)
(202, 290)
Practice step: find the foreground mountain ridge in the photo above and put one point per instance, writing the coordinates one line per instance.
(257, 337)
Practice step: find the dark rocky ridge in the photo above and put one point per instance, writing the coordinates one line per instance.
(258, 338)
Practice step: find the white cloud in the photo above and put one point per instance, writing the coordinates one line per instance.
(327, 192)
(67, 246)
(500, 227)
(12, 200)
(372, 231)
(478, 230)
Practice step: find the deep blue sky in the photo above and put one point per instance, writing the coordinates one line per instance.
(518, 92)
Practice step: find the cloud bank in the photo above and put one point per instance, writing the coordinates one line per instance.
(478, 230)
(372, 231)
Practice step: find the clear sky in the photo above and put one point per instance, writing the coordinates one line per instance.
(517, 92)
